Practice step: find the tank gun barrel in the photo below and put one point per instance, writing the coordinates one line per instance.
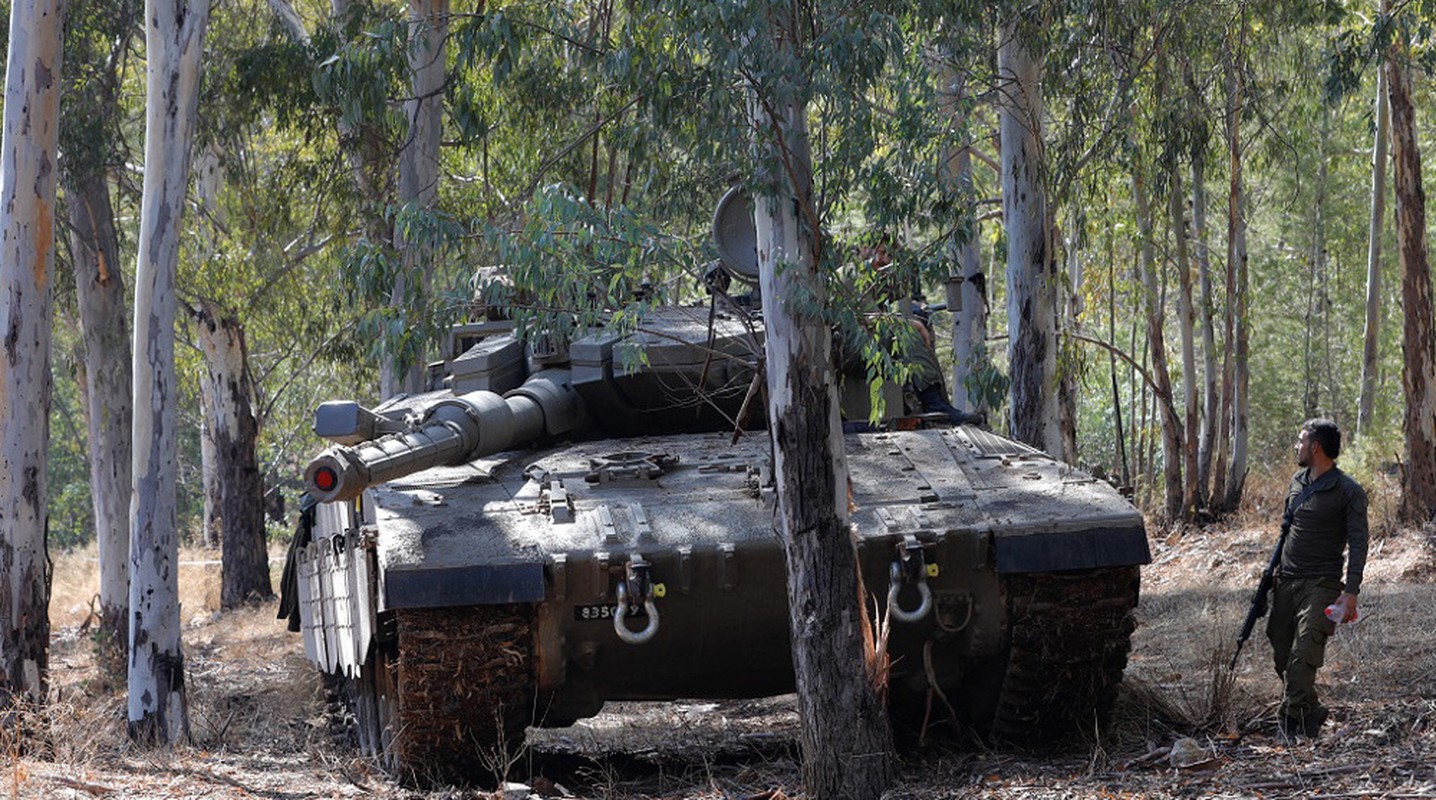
(450, 432)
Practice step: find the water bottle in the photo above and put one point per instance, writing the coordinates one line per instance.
(1336, 612)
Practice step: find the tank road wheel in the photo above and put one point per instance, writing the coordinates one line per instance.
(1070, 635)
(464, 689)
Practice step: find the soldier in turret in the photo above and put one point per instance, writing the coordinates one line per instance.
(926, 382)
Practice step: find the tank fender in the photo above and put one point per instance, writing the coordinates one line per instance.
(471, 584)
(1056, 551)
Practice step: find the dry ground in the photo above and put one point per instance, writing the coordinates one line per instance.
(262, 727)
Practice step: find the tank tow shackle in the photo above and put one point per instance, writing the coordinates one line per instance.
(638, 584)
(910, 565)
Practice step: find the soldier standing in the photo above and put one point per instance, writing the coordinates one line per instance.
(1331, 521)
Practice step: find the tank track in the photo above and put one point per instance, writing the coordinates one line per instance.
(465, 691)
(1070, 633)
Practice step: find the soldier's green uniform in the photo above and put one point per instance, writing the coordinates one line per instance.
(1308, 580)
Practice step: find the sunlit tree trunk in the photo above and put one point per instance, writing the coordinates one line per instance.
(1157, 346)
(1071, 293)
(1210, 357)
(1186, 315)
(27, 262)
(234, 434)
(1318, 323)
(966, 285)
(1417, 338)
(846, 738)
(1031, 268)
(100, 295)
(211, 528)
(174, 38)
(1236, 380)
(1371, 332)
(418, 181)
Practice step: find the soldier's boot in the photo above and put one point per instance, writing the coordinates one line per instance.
(1312, 721)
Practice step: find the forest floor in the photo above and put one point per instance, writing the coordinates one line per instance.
(262, 726)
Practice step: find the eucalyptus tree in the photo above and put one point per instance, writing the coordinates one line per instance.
(959, 63)
(763, 73)
(232, 428)
(27, 261)
(98, 39)
(158, 704)
(1031, 264)
(1156, 337)
(277, 204)
(1199, 146)
(966, 287)
(845, 736)
(1371, 331)
(1230, 473)
(1419, 332)
(418, 175)
(1186, 320)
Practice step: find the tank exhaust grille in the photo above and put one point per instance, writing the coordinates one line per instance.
(986, 444)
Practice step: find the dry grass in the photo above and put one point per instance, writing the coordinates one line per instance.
(73, 597)
(254, 703)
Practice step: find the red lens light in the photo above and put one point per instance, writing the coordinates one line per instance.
(325, 479)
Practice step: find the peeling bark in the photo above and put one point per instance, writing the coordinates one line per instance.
(27, 259)
(100, 295)
(233, 432)
(1157, 347)
(1031, 267)
(1371, 332)
(966, 288)
(1418, 496)
(846, 738)
(158, 705)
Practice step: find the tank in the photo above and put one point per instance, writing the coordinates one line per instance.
(551, 531)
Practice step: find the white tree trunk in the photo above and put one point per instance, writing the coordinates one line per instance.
(1031, 268)
(1157, 346)
(234, 434)
(100, 295)
(846, 738)
(1371, 332)
(174, 37)
(1210, 357)
(966, 285)
(27, 261)
(1186, 318)
(211, 529)
(1237, 344)
(418, 177)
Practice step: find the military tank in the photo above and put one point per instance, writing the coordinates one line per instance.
(554, 530)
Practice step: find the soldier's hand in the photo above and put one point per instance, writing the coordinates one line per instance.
(1349, 601)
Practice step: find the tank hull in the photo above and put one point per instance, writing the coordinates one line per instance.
(1012, 578)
